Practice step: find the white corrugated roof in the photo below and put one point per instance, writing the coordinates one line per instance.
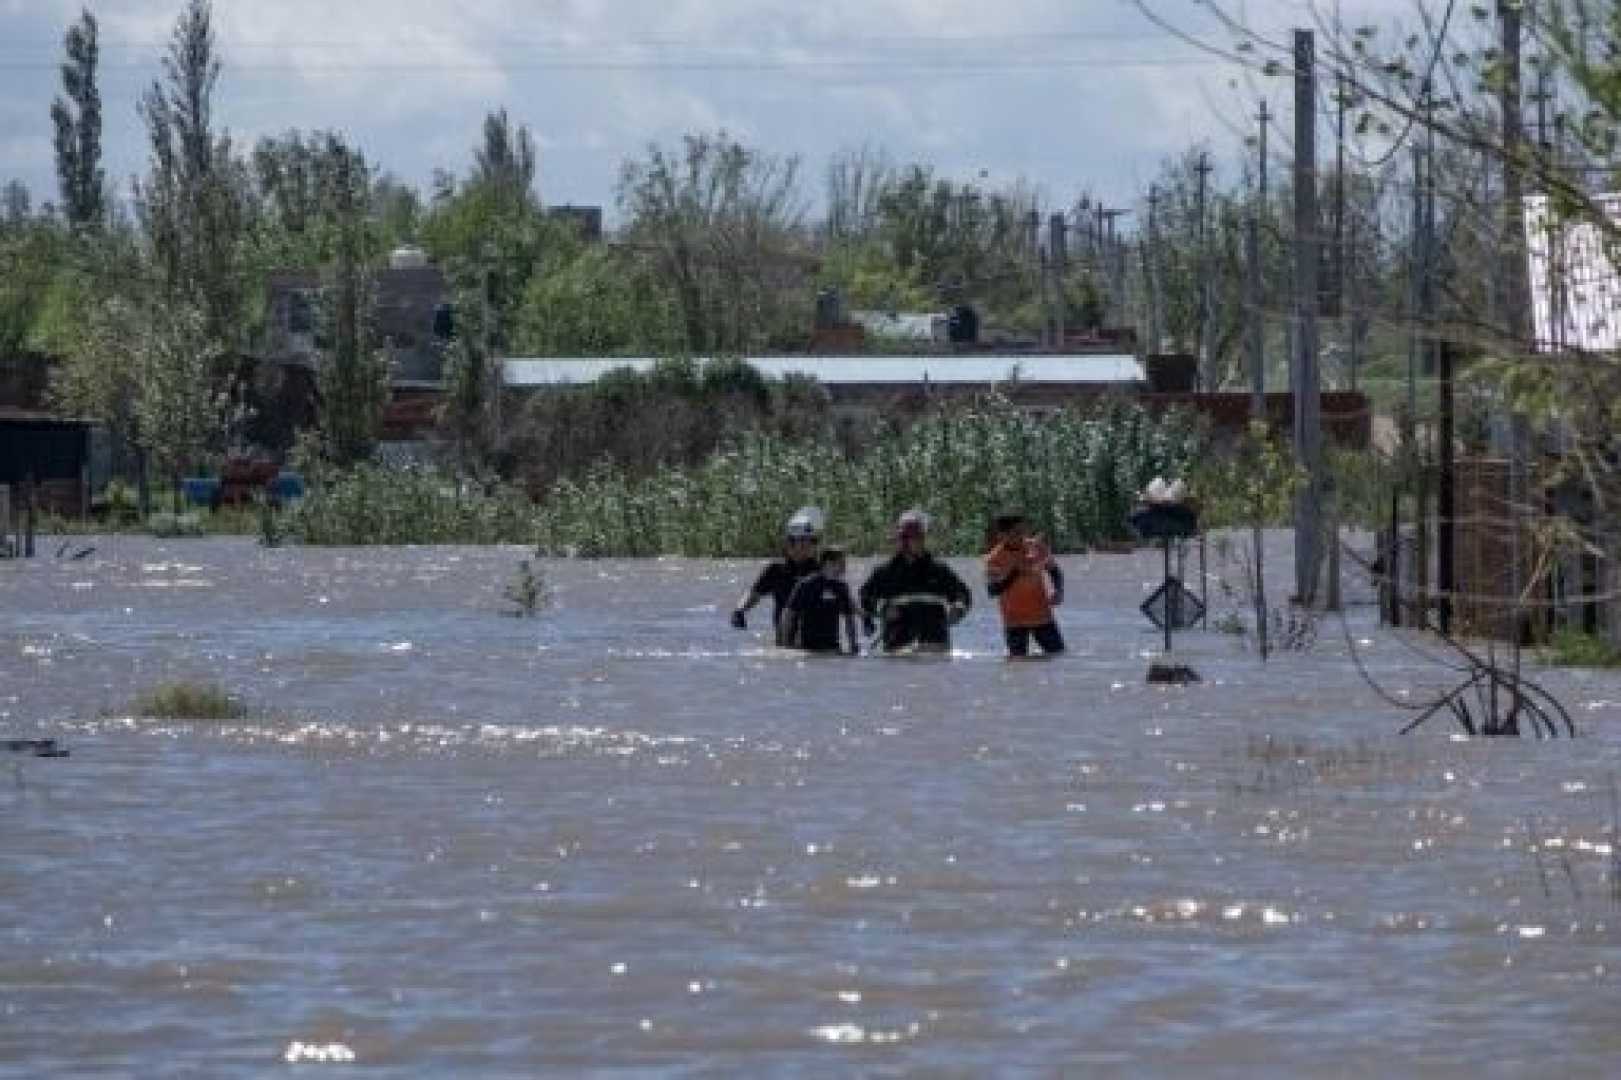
(976, 368)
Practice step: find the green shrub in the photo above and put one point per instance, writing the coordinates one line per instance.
(168, 526)
(1575, 648)
(183, 700)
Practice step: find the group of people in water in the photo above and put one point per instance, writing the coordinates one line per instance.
(910, 602)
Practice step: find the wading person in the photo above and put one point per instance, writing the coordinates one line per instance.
(819, 606)
(1018, 572)
(915, 597)
(801, 544)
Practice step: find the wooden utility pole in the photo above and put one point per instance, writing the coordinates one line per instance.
(1058, 242)
(1156, 331)
(1305, 381)
(1255, 285)
(1207, 382)
(1254, 317)
(1446, 496)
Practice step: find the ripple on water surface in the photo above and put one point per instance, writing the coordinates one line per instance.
(625, 834)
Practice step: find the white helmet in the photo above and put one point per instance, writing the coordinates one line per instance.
(806, 524)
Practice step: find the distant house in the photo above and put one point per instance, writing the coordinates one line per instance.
(587, 220)
(921, 327)
(412, 319)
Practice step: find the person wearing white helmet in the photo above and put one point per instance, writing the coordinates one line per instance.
(915, 597)
(802, 540)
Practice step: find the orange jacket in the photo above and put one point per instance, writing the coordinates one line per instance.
(1024, 567)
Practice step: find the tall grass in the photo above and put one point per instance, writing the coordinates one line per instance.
(377, 504)
(1074, 473)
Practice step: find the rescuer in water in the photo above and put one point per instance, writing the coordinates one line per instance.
(802, 541)
(915, 598)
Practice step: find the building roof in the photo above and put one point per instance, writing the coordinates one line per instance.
(973, 369)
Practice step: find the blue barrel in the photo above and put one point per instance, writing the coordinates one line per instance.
(201, 491)
(286, 487)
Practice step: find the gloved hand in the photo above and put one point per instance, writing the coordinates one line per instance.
(868, 626)
(955, 612)
(739, 621)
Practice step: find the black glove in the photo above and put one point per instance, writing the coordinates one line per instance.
(739, 621)
(868, 627)
(955, 613)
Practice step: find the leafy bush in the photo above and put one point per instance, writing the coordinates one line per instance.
(1575, 648)
(188, 701)
(168, 526)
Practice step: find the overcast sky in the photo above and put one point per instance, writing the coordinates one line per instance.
(1071, 94)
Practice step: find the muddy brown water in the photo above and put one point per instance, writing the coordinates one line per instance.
(623, 835)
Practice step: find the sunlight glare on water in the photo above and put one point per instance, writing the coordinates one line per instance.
(623, 834)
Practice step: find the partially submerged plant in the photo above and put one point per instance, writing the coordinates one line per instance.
(527, 592)
(169, 526)
(185, 700)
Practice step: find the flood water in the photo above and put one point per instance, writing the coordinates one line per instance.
(625, 835)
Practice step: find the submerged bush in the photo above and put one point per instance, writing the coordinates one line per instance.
(183, 700)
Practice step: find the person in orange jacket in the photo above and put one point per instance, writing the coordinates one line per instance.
(1026, 581)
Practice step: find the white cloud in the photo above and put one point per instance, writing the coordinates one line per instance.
(1070, 94)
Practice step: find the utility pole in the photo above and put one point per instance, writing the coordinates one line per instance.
(1446, 497)
(1058, 241)
(1114, 254)
(1255, 285)
(1156, 333)
(1516, 299)
(493, 368)
(1306, 385)
(1207, 382)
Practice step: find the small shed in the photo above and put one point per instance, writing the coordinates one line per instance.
(52, 452)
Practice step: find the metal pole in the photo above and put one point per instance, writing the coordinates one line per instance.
(1173, 599)
(1307, 402)
(1446, 510)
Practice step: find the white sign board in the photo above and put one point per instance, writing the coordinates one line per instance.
(1575, 287)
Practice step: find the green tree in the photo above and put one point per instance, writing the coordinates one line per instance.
(181, 409)
(593, 300)
(723, 224)
(506, 163)
(77, 118)
(194, 205)
(352, 373)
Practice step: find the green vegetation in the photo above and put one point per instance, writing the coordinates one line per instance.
(1576, 648)
(1075, 473)
(375, 504)
(184, 700)
(527, 592)
(168, 526)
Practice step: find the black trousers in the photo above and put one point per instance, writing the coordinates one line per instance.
(1047, 636)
